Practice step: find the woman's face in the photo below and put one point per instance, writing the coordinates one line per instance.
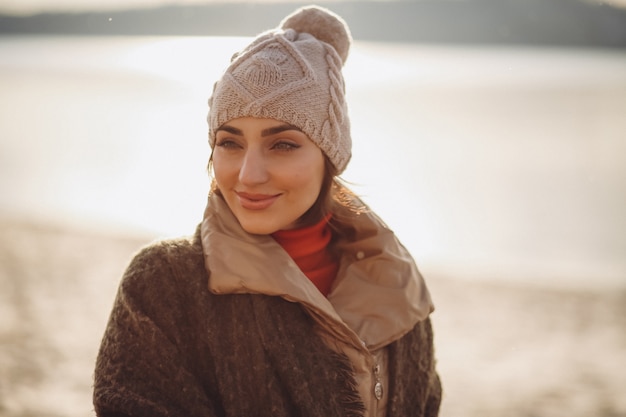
(269, 172)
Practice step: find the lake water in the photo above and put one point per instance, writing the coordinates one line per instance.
(489, 163)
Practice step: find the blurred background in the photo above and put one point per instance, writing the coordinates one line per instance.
(489, 134)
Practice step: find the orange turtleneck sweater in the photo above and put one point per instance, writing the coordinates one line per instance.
(308, 247)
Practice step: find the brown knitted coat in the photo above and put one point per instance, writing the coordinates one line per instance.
(172, 348)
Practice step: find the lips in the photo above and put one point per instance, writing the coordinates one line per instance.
(256, 201)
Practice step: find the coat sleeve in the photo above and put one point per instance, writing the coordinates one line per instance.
(433, 401)
(434, 390)
(144, 366)
(415, 387)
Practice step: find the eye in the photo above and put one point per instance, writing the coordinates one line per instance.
(227, 143)
(283, 145)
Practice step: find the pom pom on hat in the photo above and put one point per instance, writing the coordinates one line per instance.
(324, 25)
(292, 74)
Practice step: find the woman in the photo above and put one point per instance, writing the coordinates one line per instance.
(292, 299)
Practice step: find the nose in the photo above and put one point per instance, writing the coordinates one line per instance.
(253, 169)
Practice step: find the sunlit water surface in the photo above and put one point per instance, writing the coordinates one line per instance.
(489, 163)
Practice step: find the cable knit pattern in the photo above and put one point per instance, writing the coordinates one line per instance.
(337, 113)
(292, 74)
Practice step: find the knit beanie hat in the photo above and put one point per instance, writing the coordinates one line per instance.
(292, 74)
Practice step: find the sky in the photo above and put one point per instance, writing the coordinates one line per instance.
(26, 7)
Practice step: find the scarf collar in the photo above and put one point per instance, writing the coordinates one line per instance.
(378, 296)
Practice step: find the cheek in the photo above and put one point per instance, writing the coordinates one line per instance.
(320, 170)
(311, 179)
(222, 170)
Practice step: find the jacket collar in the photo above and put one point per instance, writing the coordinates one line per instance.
(378, 296)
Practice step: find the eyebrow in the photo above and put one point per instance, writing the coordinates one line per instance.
(265, 132)
(230, 129)
(278, 129)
